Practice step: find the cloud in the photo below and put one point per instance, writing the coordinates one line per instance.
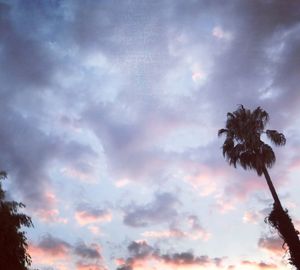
(224, 205)
(94, 229)
(197, 230)
(50, 251)
(242, 187)
(51, 216)
(83, 172)
(191, 229)
(50, 212)
(131, 142)
(171, 233)
(31, 72)
(188, 227)
(142, 255)
(253, 36)
(162, 209)
(30, 172)
(133, 122)
(30, 61)
(246, 264)
(122, 183)
(252, 217)
(260, 265)
(88, 252)
(273, 245)
(86, 214)
(53, 246)
(105, 87)
(89, 266)
(204, 181)
(90, 257)
(187, 258)
(54, 252)
(140, 249)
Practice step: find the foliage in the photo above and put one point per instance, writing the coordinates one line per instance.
(281, 221)
(243, 144)
(13, 241)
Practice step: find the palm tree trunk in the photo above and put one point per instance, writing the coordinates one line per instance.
(281, 221)
(272, 188)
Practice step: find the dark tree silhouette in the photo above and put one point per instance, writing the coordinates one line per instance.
(13, 241)
(243, 146)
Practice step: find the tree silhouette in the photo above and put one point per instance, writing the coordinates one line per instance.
(13, 242)
(243, 146)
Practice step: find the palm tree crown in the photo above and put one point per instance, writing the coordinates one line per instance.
(243, 144)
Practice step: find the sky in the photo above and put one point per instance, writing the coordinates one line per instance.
(108, 124)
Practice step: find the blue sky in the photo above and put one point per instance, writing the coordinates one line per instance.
(109, 120)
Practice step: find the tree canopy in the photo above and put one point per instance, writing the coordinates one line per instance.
(243, 144)
(13, 241)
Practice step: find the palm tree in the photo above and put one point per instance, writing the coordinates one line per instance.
(243, 146)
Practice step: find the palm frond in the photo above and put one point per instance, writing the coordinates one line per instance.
(267, 155)
(230, 115)
(228, 146)
(222, 131)
(243, 144)
(276, 137)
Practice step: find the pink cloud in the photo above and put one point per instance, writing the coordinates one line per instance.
(52, 247)
(50, 251)
(50, 197)
(251, 217)
(84, 218)
(260, 265)
(50, 213)
(83, 175)
(205, 180)
(272, 245)
(89, 266)
(51, 216)
(219, 182)
(173, 233)
(146, 257)
(297, 224)
(205, 262)
(244, 186)
(156, 262)
(87, 215)
(95, 230)
(224, 205)
(122, 182)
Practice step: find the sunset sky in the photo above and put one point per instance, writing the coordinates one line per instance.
(109, 117)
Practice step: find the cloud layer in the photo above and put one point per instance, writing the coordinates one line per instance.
(109, 113)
